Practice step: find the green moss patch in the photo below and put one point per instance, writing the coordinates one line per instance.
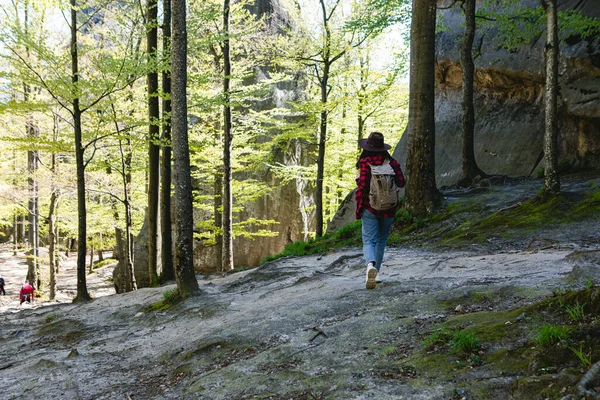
(62, 331)
(349, 235)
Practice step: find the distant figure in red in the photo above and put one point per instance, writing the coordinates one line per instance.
(26, 293)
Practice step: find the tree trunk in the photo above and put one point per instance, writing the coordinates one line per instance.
(165, 200)
(218, 185)
(91, 266)
(551, 177)
(421, 193)
(82, 292)
(227, 148)
(321, 154)
(33, 274)
(217, 210)
(323, 82)
(52, 245)
(15, 234)
(16, 230)
(153, 139)
(361, 98)
(469, 166)
(52, 210)
(184, 253)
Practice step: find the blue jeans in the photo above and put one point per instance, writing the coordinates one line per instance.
(375, 232)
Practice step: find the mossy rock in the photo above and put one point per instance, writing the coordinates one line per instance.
(64, 330)
(547, 386)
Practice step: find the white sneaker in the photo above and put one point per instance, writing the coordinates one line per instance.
(371, 275)
(379, 278)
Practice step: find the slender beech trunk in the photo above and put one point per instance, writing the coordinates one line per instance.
(100, 251)
(469, 166)
(125, 252)
(91, 266)
(15, 234)
(153, 139)
(166, 224)
(33, 273)
(551, 177)
(32, 166)
(184, 254)
(126, 156)
(52, 253)
(217, 210)
(421, 193)
(52, 211)
(324, 86)
(82, 292)
(218, 185)
(16, 229)
(361, 98)
(227, 148)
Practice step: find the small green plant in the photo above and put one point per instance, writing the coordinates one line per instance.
(465, 343)
(561, 292)
(549, 335)
(576, 312)
(51, 317)
(171, 296)
(584, 358)
(438, 337)
(589, 282)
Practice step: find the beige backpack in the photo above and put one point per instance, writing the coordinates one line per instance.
(383, 191)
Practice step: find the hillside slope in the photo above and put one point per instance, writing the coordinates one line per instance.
(306, 327)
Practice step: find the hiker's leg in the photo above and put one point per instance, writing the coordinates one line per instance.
(370, 232)
(385, 226)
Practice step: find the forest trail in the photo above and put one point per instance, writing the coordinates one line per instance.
(14, 271)
(296, 327)
(302, 328)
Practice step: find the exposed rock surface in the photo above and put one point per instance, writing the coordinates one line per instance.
(306, 327)
(509, 108)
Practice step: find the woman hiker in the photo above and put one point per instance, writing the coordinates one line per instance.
(376, 205)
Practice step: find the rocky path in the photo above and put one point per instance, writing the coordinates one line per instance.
(14, 271)
(297, 328)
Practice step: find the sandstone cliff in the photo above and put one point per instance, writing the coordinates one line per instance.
(509, 101)
(290, 204)
(509, 89)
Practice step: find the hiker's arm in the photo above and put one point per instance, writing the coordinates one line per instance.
(361, 184)
(400, 181)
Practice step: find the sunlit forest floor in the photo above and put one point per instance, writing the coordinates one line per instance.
(14, 271)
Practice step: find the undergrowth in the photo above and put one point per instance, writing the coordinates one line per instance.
(464, 220)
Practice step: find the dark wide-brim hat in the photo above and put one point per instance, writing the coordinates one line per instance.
(374, 143)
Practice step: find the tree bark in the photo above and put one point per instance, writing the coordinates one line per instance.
(184, 253)
(82, 292)
(551, 176)
(33, 273)
(153, 138)
(52, 210)
(422, 195)
(470, 169)
(323, 82)
(166, 225)
(91, 266)
(15, 234)
(227, 148)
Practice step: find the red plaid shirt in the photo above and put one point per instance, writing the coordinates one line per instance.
(363, 180)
